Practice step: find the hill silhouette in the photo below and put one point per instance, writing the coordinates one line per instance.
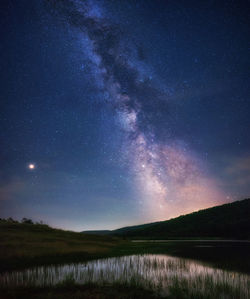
(228, 221)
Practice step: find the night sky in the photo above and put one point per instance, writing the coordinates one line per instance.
(117, 113)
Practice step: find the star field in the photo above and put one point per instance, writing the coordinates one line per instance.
(116, 113)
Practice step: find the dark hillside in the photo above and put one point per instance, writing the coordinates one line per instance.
(230, 221)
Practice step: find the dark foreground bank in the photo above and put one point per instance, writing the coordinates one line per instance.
(73, 291)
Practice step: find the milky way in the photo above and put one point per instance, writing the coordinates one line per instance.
(168, 177)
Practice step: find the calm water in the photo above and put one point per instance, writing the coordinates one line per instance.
(160, 272)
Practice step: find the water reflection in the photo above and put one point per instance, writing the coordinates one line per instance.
(160, 272)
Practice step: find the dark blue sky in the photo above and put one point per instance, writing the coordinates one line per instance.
(131, 111)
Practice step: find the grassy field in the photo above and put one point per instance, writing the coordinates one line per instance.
(31, 244)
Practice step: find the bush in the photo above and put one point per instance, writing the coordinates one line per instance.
(27, 221)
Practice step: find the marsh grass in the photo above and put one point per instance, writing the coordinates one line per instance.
(167, 276)
(23, 245)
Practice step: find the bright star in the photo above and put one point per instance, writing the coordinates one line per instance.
(31, 166)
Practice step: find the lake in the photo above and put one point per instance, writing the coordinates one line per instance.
(163, 273)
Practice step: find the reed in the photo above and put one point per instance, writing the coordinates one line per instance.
(166, 275)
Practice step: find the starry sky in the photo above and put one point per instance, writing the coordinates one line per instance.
(116, 113)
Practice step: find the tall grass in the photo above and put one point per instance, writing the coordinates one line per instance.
(166, 275)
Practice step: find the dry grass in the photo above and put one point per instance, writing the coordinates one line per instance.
(21, 243)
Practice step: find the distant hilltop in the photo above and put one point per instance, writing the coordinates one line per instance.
(97, 232)
(227, 221)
